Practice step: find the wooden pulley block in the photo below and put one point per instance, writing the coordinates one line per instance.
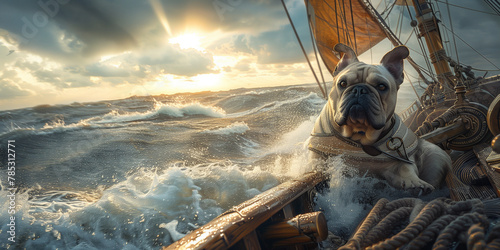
(493, 117)
(474, 116)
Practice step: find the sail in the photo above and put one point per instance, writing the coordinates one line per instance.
(342, 21)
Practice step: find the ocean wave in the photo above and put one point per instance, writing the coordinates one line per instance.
(312, 99)
(60, 126)
(235, 128)
(117, 119)
(139, 212)
(175, 110)
(295, 139)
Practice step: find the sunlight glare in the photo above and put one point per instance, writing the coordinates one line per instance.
(188, 41)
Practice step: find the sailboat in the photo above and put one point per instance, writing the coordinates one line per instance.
(458, 111)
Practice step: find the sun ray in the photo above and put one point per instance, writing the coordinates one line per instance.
(162, 17)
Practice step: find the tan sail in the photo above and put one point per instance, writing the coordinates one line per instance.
(346, 22)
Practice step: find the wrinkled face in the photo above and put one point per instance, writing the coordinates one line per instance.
(364, 98)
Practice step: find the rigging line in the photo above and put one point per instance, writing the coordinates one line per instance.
(413, 87)
(484, 57)
(445, 34)
(411, 18)
(369, 41)
(451, 24)
(303, 50)
(390, 10)
(414, 77)
(390, 35)
(353, 28)
(336, 17)
(427, 31)
(458, 6)
(492, 5)
(422, 47)
(426, 57)
(486, 70)
(411, 34)
(401, 24)
(344, 24)
(316, 54)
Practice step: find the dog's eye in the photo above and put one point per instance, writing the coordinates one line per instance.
(381, 87)
(343, 84)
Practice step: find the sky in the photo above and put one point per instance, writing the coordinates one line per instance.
(64, 51)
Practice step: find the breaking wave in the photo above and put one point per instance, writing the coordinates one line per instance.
(235, 128)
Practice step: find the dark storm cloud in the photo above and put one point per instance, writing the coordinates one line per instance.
(278, 45)
(63, 30)
(78, 33)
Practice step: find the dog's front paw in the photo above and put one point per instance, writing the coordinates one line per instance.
(417, 187)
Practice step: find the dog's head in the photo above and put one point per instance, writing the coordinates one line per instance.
(363, 96)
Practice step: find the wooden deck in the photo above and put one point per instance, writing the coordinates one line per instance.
(471, 178)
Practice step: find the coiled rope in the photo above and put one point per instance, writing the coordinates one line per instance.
(439, 223)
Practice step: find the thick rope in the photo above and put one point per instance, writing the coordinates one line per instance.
(430, 233)
(440, 223)
(476, 237)
(493, 239)
(449, 234)
(429, 213)
(384, 228)
(370, 220)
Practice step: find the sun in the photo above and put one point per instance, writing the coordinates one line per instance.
(188, 41)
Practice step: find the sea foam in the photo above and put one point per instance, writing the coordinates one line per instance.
(234, 128)
(174, 110)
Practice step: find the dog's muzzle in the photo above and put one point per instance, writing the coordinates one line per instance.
(360, 104)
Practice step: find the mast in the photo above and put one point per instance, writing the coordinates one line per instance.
(427, 24)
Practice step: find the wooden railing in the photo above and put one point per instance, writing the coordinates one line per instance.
(410, 110)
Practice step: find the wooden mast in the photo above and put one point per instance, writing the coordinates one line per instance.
(427, 24)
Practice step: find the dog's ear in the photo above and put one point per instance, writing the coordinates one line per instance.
(348, 57)
(393, 62)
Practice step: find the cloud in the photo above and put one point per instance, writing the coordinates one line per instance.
(243, 65)
(183, 62)
(477, 34)
(64, 30)
(103, 70)
(9, 89)
(69, 29)
(60, 79)
(93, 43)
(276, 43)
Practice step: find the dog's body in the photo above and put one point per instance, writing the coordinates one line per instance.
(358, 122)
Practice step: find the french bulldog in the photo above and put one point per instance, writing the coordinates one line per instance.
(358, 122)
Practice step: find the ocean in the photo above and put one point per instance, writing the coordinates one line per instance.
(141, 172)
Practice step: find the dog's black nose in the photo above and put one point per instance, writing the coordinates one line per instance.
(359, 90)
